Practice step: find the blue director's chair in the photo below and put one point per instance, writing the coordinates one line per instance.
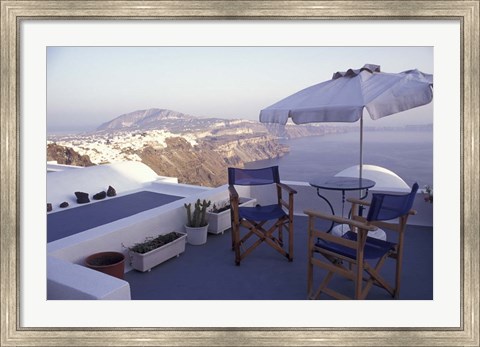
(254, 219)
(355, 255)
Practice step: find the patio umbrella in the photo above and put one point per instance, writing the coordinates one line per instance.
(347, 94)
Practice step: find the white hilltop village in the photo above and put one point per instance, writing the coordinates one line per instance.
(118, 141)
(119, 146)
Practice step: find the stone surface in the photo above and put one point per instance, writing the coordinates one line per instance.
(67, 156)
(111, 191)
(99, 196)
(82, 197)
(64, 204)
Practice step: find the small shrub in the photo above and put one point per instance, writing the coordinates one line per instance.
(153, 243)
(221, 207)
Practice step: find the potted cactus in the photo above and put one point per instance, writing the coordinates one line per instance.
(197, 224)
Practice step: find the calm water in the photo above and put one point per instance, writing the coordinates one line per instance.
(408, 154)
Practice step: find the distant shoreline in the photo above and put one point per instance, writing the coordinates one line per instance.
(408, 127)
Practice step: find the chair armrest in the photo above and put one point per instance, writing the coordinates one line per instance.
(359, 202)
(341, 220)
(287, 188)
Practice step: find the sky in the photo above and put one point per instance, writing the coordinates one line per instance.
(87, 86)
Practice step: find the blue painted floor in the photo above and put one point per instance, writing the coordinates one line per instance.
(208, 272)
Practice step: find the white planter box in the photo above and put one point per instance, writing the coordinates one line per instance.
(146, 261)
(219, 222)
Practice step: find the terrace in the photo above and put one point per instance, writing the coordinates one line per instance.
(206, 272)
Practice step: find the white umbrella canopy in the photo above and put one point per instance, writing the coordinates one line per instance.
(347, 94)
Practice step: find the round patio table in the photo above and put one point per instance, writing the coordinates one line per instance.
(342, 184)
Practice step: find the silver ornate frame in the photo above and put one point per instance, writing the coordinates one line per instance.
(12, 13)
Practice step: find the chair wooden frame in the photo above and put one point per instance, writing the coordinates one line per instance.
(353, 269)
(257, 228)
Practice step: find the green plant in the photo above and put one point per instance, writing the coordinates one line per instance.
(428, 194)
(151, 243)
(198, 217)
(222, 206)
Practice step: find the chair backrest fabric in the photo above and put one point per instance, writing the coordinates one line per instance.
(253, 177)
(389, 206)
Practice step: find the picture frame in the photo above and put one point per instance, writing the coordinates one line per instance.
(13, 12)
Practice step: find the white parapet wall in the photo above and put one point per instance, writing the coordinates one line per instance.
(53, 166)
(67, 281)
(123, 177)
(66, 256)
(134, 229)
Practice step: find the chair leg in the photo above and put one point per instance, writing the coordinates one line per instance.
(399, 258)
(309, 279)
(398, 273)
(250, 249)
(397, 280)
(264, 235)
(309, 272)
(358, 280)
(236, 243)
(281, 225)
(280, 234)
(323, 286)
(333, 267)
(290, 240)
(376, 279)
(233, 236)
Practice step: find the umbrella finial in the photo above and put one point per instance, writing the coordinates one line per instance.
(372, 68)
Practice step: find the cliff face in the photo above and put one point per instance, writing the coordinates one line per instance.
(67, 156)
(180, 159)
(199, 161)
(196, 150)
(206, 163)
(247, 149)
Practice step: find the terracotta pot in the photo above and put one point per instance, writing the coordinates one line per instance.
(110, 263)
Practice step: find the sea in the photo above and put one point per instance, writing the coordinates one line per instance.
(407, 153)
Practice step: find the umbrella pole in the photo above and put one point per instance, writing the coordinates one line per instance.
(361, 147)
(361, 163)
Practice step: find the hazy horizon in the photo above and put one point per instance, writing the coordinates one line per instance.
(88, 86)
(355, 125)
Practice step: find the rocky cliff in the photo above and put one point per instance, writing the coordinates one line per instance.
(66, 155)
(193, 149)
(203, 162)
(206, 163)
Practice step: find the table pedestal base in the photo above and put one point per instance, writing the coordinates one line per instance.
(339, 230)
